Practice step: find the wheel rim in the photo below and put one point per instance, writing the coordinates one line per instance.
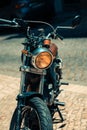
(30, 119)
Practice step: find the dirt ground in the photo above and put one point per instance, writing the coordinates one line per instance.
(74, 112)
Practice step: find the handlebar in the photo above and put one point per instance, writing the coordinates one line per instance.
(24, 23)
(16, 22)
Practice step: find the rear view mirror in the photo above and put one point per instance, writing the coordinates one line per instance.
(76, 21)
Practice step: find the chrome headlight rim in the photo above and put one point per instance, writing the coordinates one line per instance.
(34, 57)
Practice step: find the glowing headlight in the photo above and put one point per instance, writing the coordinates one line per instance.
(42, 60)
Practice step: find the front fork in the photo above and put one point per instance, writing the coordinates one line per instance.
(22, 99)
(23, 96)
(19, 111)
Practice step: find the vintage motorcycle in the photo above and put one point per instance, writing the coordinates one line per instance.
(41, 74)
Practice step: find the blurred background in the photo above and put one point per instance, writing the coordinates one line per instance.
(32, 9)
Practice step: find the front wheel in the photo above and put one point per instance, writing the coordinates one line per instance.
(34, 116)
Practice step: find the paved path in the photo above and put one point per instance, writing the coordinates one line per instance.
(75, 110)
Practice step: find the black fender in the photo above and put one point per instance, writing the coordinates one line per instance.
(28, 95)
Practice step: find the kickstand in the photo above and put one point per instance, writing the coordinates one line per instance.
(60, 114)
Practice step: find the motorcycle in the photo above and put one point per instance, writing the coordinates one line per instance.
(41, 74)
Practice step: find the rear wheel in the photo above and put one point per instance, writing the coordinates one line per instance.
(34, 116)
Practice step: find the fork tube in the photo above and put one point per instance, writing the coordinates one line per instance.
(19, 109)
(41, 87)
(18, 118)
(22, 82)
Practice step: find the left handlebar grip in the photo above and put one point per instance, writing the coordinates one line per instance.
(5, 21)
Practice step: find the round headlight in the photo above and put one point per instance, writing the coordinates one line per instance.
(43, 60)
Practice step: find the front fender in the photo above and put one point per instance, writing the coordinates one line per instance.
(28, 95)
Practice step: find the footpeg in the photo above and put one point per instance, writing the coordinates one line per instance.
(64, 83)
(59, 103)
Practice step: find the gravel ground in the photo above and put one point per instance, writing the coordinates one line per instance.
(74, 112)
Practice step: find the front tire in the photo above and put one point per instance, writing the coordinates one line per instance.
(34, 116)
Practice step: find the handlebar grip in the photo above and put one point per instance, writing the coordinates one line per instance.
(5, 21)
